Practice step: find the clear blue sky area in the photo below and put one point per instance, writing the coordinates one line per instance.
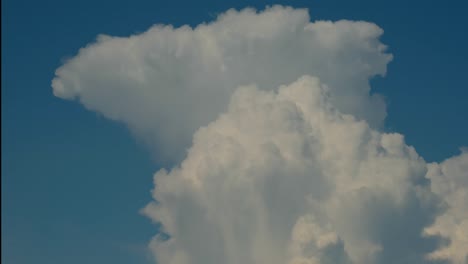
(73, 182)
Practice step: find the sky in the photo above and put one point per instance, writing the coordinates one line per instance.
(74, 182)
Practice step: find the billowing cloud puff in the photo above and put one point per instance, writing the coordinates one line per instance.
(284, 177)
(450, 180)
(286, 162)
(167, 82)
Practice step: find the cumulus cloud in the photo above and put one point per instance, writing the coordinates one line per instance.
(284, 177)
(285, 161)
(450, 180)
(167, 82)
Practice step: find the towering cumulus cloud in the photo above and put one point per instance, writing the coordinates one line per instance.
(281, 158)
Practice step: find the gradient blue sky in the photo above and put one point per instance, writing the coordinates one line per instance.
(73, 182)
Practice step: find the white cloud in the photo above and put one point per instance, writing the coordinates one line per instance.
(284, 177)
(167, 82)
(284, 168)
(450, 180)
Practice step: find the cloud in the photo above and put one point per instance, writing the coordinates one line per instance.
(284, 177)
(450, 180)
(278, 143)
(167, 82)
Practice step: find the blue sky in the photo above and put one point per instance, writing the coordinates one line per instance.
(73, 182)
